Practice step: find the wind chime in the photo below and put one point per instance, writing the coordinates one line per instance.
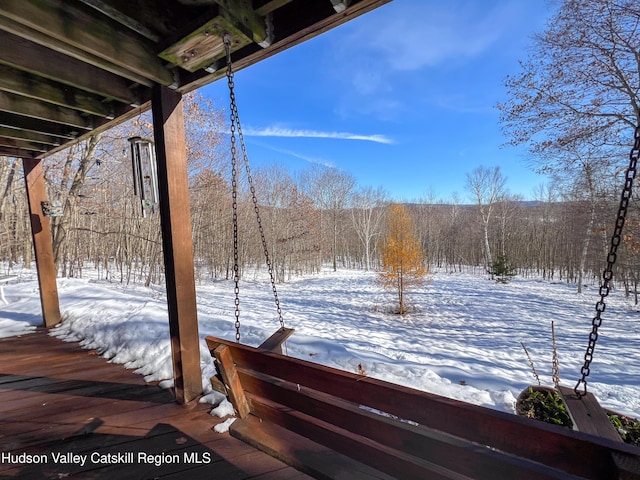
(51, 208)
(145, 174)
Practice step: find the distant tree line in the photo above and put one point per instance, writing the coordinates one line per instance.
(316, 218)
(574, 104)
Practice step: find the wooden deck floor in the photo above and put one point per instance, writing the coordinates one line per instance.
(57, 400)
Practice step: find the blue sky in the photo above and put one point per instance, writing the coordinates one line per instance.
(403, 97)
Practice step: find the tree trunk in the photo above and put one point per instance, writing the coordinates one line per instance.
(7, 188)
(487, 247)
(62, 224)
(592, 215)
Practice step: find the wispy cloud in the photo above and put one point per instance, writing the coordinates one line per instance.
(461, 103)
(416, 34)
(381, 59)
(306, 158)
(296, 133)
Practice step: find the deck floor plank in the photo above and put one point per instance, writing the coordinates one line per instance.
(56, 398)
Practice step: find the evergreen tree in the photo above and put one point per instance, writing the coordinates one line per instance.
(501, 269)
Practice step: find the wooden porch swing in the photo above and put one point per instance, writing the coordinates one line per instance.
(333, 424)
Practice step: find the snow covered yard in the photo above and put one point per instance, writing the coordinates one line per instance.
(462, 341)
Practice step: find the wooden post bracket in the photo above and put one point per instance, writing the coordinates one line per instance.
(273, 344)
(227, 370)
(587, 415)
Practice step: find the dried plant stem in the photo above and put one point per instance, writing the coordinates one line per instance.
(555, 366)
(533, 368)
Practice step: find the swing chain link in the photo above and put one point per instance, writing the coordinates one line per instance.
(607, 275)
(235, 124)
(234, 187)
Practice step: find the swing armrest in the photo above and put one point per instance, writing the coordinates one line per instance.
(275, 341)
(587, 415)
(273, 344)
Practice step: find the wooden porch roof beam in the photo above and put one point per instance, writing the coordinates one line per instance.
(29, 85)
(108, 9)
(35, 125)
(122, 115)
(40, 38)
(22, 144)
(84, 33)
(29, 107)
(16, 152)
(265, 7)
(56, 66)
(18, 134)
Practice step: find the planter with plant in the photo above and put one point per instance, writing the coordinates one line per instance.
(546, 403)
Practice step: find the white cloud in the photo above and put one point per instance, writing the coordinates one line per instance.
(414, 35)
(379, 59)
(296, 133)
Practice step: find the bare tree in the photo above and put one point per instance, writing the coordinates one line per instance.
(580, 80)
(7, 174)
(291, 223)
(211, 212)
(452, 233)
(507, 210)
(367, 213)
(576, 101)
(486, 186)
(586, 186)
(13, 246)
(204, 123)
(329, 188)
(67, 183)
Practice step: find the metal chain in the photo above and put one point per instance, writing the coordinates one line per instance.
(607, 275)
(234, 187)
(235, 122)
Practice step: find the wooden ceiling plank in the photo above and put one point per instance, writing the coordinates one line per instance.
(267, 6)
(86, 29)
(29, 85)
(127, 113)
(23, 145)
(32, 108)
(23, 31)
(107, 8)
(154, 19)
(56, 66)
(16, 152)
(64, 132)
(19, 134)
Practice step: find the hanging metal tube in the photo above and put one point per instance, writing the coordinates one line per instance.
(145, 173)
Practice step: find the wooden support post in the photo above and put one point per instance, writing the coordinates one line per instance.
(175, 220)
(42, 245)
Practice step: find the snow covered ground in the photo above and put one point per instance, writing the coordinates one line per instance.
(463, 340)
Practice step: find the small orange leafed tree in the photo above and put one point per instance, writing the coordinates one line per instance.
(403, 262)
